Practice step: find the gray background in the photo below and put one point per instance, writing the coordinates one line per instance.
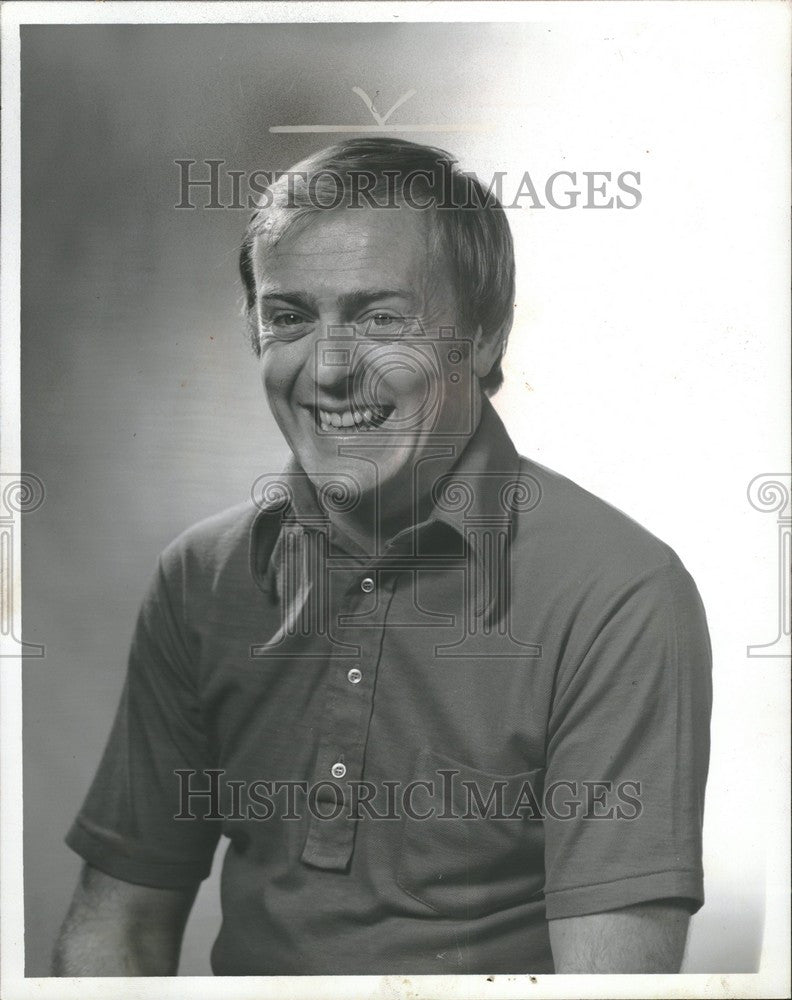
(141, 404)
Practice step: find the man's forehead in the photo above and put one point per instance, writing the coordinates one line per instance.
(344, 239)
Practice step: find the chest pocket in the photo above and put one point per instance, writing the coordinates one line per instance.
(468, 858)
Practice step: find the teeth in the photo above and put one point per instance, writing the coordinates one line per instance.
(366, 419)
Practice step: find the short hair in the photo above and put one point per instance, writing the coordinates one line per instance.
(469, 220)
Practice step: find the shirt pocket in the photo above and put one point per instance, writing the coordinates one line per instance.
(469, 867)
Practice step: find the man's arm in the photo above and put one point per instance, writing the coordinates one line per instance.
(647, 937)
(114, 928)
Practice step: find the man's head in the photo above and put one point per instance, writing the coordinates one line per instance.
(380, 292)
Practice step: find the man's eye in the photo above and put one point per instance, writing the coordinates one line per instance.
(384, 324)
(287, 319)
(383, 319)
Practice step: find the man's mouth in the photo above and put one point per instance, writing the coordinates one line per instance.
(351, 421)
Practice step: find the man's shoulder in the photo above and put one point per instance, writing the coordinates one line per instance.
(210, 545)
(583, 533)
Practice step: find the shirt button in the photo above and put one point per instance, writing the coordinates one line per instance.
(367, 585)
(338, 770)
(354, 676)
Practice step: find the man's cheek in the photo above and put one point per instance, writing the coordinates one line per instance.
(412, 391)
(268, 379)
(278, 367)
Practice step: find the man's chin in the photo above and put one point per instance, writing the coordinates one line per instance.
(365, 472)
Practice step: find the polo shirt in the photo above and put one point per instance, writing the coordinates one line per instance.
(416, 758)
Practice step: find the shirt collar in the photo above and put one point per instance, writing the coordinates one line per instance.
(477, 490)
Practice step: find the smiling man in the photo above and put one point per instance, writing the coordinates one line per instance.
(450, 710)
(346, 318)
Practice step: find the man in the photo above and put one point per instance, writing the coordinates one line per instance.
(450, 709)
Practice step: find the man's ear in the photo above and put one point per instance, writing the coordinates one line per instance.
(253, 332)
(487, 349)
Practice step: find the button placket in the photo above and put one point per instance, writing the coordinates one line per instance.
(329, 842)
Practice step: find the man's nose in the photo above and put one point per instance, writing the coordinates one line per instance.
(334, 355)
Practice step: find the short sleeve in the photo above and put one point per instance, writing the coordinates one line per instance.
(127, 826)
(628, 753)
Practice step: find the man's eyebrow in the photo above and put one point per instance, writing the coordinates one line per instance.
(354, 301)
(350, 302)
(302, 300)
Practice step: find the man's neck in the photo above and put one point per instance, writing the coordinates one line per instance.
(372, 524)
(406, 500)
(396, 506)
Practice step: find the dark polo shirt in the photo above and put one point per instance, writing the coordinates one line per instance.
(418, 758)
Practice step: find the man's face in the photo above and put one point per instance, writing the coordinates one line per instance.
(388, 380)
